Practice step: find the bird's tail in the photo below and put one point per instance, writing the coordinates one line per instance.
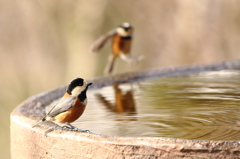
(43, 119)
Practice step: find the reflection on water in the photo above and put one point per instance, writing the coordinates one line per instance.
(205, 106)
(124, 102)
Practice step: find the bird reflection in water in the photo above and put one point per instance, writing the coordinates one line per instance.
(124, 103)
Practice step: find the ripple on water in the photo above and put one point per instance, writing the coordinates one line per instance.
(202, 107)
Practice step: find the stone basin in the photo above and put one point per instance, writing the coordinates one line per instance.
(44, 142)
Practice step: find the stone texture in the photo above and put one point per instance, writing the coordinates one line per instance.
(28, 143)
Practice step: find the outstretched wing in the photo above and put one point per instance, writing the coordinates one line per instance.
(62, 106)
(100, 42)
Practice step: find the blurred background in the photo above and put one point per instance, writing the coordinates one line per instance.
(45, 44)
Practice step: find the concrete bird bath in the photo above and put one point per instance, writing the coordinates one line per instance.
(44, 142)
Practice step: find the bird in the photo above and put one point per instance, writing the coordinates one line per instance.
(121, 45)
(71, 106)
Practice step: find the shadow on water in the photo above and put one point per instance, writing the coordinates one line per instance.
(203, 107)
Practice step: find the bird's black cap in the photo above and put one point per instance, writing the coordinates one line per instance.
(74, 83)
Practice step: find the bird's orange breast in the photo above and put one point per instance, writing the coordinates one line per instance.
(120, 45)
(72, 114)
(116, 45)
(125, 46)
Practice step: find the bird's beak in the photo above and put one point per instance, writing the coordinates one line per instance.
(89, 84)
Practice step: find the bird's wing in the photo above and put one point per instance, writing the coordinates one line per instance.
(62, 106)
(100, 42)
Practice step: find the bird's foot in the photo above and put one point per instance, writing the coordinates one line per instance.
(73, 128)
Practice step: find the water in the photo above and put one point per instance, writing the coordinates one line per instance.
(202, 107)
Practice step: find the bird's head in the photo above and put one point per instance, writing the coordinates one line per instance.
(77, 86)
(124, 30)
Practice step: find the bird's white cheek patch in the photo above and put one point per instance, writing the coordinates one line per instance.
(77, 90)
(122, 32)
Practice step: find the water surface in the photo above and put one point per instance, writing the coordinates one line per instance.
(203, 107)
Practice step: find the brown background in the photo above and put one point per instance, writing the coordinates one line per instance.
(45, 44)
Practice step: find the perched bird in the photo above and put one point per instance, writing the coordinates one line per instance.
(121, 45)
(71, 106)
